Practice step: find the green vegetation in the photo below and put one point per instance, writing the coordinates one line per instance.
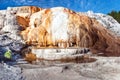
(115, 15)
(8, 54)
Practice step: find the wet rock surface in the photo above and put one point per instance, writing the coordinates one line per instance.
(58, 54)
(47, 29)
(101, 69)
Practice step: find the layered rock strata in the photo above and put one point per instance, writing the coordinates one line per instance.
(62, 28)
(57, 28)
(61, 54)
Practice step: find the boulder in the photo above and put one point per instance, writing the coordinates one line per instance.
(5, 40)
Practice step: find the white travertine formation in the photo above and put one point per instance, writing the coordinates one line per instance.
(107, 21)
(2, 18)
(59, 27)
(58, 54)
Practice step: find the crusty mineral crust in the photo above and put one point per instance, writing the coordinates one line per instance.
(63, 28)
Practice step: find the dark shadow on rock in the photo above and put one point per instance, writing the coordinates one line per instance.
(80, 59)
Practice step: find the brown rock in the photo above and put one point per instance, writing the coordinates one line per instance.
(62, 27)
(30, 57)
(24, 13)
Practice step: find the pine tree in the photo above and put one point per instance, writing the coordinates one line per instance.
(115, 15)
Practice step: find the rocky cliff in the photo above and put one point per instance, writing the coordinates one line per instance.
(61, 28)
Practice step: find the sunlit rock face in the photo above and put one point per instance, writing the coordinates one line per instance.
(56, 27)
(2, 18)
(62, 28)
(10, 28)
(106, 20)
(9, 22)
(24, 13)
(61, 54)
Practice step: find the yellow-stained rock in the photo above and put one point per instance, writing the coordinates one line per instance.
(64, 28)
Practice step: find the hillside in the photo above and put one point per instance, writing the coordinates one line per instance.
(60, 43)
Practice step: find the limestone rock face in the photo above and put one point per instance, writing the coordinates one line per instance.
(9, 19)
(10, 28)
(61, 54)
(59, 28)
(56, 27)
(2, 18)
(106, 20)
(24, 13)
(62, 28)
